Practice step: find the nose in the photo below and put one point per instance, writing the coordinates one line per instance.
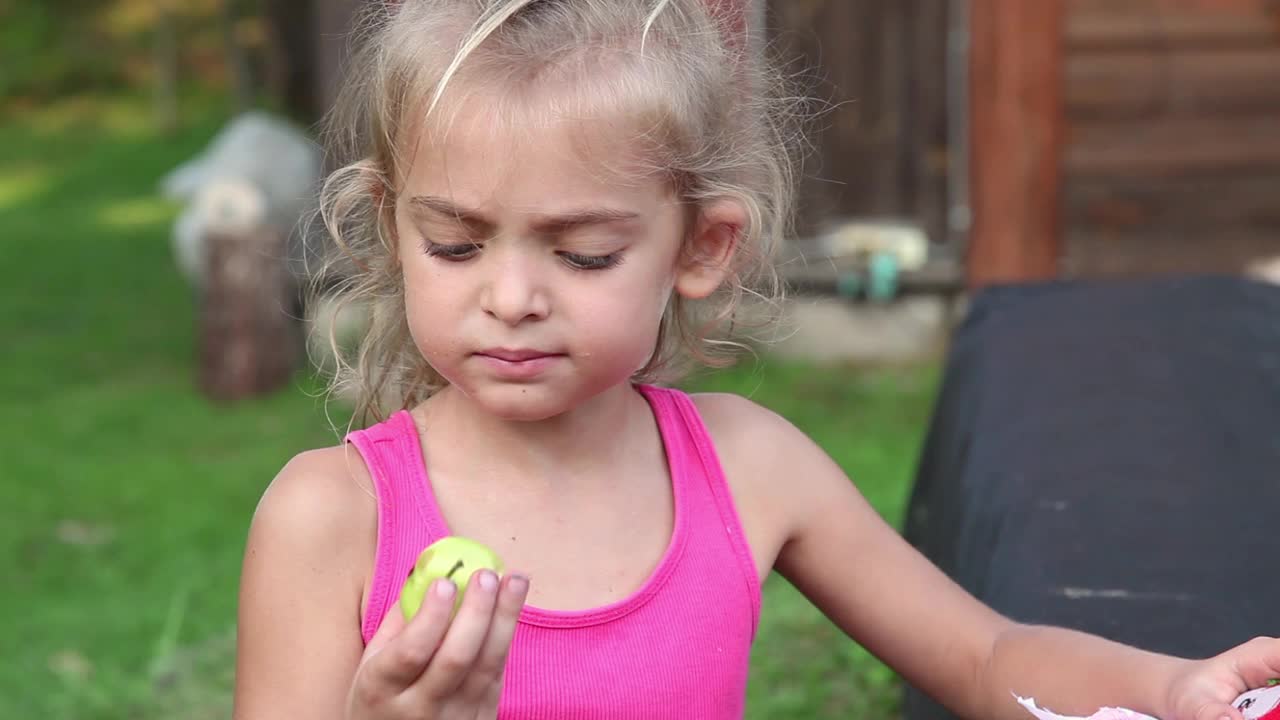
(514, 292)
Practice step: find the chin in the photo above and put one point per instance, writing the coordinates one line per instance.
(529, 402)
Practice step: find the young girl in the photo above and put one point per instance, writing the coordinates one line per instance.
(549, 206)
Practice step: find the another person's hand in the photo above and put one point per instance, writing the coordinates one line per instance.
(1205, 689)
(435, 669)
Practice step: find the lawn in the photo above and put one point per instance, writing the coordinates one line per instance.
(126, 495)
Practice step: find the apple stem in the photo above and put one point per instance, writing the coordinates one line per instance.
(456, 567)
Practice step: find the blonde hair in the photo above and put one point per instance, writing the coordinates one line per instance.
(713, 124)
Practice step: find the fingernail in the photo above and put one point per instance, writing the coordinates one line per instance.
(519, 583)
(445, 588)
(488, 581)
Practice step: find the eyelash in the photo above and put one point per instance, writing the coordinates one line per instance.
(452, 253)
(465, 251)
(591, 262)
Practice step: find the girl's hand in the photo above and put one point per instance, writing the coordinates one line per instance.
(1205, 689)
(434, 669)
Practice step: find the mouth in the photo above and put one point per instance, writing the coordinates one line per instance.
(519, 355)
(518, 364)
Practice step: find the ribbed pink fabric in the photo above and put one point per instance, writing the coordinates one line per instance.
(676, 648)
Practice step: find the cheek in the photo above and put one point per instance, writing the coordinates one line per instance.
(624, 319)
(639, 298)
(432, 311)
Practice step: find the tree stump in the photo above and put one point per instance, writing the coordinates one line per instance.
(248, 338)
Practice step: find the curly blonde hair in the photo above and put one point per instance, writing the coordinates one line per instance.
(714, 124)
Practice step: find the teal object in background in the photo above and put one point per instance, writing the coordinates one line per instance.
(883, 275)
(849, 285)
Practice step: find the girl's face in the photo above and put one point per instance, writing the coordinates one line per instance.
(532, 283)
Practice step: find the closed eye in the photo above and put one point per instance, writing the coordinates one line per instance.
(590, 262)
(451, 252)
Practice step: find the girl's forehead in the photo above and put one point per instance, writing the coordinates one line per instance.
(484, 150)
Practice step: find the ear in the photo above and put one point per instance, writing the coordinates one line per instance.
(709, 251)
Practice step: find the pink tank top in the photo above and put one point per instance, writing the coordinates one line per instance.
(676, 648)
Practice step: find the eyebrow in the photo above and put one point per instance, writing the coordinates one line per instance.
(548, 224)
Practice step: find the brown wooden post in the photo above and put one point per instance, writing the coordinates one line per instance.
(248, 343)
(1016, 135)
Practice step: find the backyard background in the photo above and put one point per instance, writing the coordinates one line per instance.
(126, 494)
(1021, 139)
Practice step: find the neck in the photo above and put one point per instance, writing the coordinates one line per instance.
(585, 442)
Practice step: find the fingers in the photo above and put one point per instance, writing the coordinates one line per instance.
(405, 657)
(392, 624)
(457, 655)
(1219, 711)
(1259, 662)
(492, 660)
(432, 659)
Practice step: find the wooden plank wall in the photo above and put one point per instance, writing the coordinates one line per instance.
(1172, 157)
(880, 149)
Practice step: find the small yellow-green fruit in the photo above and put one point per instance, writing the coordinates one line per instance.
(451, 557)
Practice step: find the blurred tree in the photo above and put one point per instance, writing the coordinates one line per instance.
(332, 22)
(48, 49)
(166, 67)
(232, 16)
(290, 57)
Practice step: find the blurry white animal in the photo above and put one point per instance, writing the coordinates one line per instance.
(258, 169)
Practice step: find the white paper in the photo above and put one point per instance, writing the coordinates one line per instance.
(1253, 704)
(1103, 714)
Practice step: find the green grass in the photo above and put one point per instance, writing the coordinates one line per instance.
(871, 423)
(126, 495)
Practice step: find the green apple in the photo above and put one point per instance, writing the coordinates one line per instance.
(451, 557)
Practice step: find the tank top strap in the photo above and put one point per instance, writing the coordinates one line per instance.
(409, 518)
(708, 495)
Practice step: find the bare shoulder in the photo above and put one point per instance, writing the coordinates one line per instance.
(306, 563)
(756, 439)
(319, 512)
(742, 428)
(776, 473)
(320, 497)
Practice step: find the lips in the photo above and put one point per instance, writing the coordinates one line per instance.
(516, 355)
(518, 364)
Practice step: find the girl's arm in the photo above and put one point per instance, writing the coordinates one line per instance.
(308, 553)
(300, 653)
(883, 593)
